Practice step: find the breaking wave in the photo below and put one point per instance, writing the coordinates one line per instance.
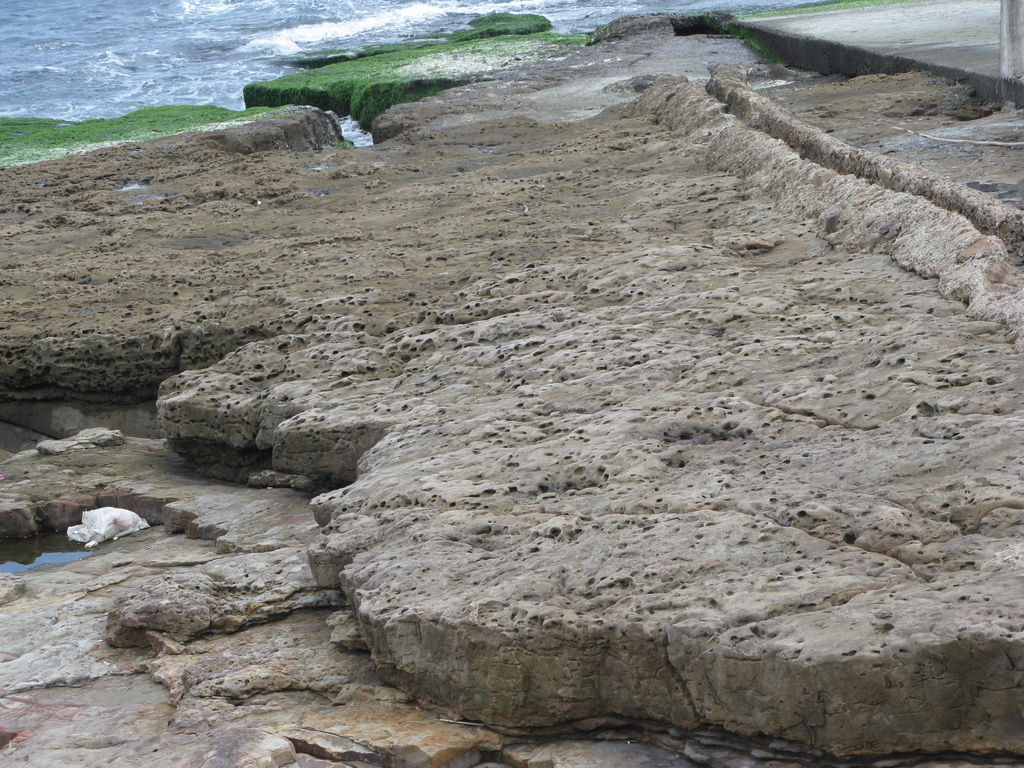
(293, 40)
(400, 20)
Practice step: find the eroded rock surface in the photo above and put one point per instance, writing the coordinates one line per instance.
(224, 596)
(638, 418)
(74, 223)
(705, 462)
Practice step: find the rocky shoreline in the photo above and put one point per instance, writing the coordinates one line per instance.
(595, 417)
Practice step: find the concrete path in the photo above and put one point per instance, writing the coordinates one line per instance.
(962, 34)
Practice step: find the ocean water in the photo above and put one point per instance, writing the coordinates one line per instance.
(80, 59)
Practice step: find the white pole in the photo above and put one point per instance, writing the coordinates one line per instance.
(1011, 45)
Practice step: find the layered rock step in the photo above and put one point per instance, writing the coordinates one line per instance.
(712, 460)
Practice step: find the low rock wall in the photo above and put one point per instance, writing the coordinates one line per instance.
(987, 214)
(834, 58)
(936, 243)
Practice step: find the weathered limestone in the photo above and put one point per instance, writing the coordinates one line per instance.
(988, 215)
(647, 479)
(645, 428)
(98, 349)
(970, 268)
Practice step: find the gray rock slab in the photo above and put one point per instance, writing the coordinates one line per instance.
(52, 635)
(222, 595)
(962, 34)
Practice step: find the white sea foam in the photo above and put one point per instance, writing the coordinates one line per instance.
(289, 41)
(215, 7)
(353, 131)
(295, 39)
(109, 57)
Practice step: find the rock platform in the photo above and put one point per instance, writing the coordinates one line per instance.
(598, 414)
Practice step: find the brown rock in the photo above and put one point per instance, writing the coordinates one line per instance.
(345, 631)
(59, 514)
(180, 606)
(248, 748)
(94, 437)
(149, 508)
(17, 519)
(329, 746)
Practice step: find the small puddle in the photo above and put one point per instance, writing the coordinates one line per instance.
(24, 424)
(764, 85)
(353, 131)
(140, 199)
(46, 549)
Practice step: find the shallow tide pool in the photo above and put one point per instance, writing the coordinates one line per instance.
(47, 549)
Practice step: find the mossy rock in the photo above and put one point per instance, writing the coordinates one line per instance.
(364, 87)
(497, 24)
(28, 139)
(315, 59)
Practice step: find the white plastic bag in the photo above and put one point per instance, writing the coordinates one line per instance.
(105, 523)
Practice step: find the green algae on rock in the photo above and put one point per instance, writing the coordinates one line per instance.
(315, 59)
(367, 86)
(496, 24)
(28, 139)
